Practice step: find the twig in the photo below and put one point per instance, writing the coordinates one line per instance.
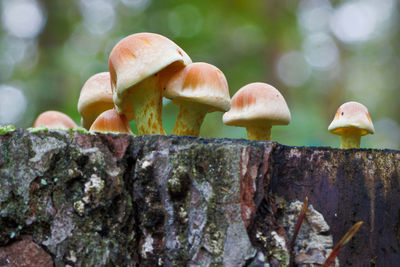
(330, 260)
(302, 214)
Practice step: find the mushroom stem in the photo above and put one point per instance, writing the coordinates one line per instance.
(259, 133)
(350, 141)
(146, 101)
(92, 112)
(190, 118)
(86, 123)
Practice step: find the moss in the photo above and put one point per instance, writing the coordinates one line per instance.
(81, 130)
(281, 256)
(7, 129)
(38, 129)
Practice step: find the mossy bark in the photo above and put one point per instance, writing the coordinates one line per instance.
(104, 199)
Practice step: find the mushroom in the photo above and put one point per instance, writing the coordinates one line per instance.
(111, 121)
(95, 98)
(140, 65)
(257, 106)
(198, 88)
(351, 121)
(54, 120)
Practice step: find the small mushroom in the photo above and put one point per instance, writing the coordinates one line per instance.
(140, 65)
(54, 120)
(111, 121)
(198, 89)
(351, 121)
(257, 106)
(95, 98)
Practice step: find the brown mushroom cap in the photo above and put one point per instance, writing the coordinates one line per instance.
(350, 117)
(54, 120)
(111, 121)
(256, 104)
(95, 98)
(139, 56)
(201, 83)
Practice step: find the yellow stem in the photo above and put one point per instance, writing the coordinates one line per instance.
(350, 141)
(259, 133)
(190, 118)
(146, 100)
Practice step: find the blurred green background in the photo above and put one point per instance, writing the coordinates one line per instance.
(318, 53)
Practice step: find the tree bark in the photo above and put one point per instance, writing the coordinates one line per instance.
(116, 200)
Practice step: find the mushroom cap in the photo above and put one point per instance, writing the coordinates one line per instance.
(54, 120)
(255, 104)
(111, 121)
(95, 97)
(201, 83)
(140, 55)
(351, 117)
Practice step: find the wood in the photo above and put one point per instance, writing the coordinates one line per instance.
(109, 199)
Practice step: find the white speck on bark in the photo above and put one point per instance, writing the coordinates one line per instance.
(147, 246)
(72, 256)
(94, 185)
(79, 207)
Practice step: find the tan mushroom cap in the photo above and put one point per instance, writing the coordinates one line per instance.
(139, 56)
(352, 116)
(201, 83)
(111, 121)
(255, 104)
(54, 120)
(95, 98)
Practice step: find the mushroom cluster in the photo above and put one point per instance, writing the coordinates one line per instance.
(145, 67)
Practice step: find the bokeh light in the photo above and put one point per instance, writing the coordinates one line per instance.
(293, 69)
(354, 22)
(12, 104)
(22, 18)
(314, 15)
(98, 15)
(321, 51)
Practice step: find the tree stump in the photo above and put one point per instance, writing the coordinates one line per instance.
(115, 200)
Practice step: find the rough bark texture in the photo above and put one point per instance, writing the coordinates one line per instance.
(68, 198)
(347, 186)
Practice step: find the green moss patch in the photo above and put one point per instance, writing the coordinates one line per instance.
(7, 129)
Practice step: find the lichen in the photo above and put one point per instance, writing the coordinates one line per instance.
(79, 207)
(93, 189)
(12, 235)
(280, 250)
(214, 241)
(183, 214)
